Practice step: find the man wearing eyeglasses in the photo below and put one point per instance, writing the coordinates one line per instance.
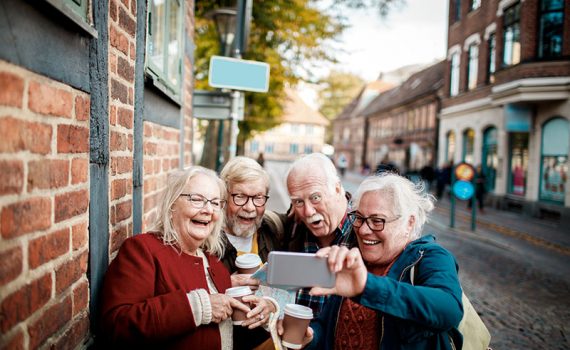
(246, 227)
(320, 205)
(249, 228)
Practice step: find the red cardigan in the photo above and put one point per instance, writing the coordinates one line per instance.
(144, 299)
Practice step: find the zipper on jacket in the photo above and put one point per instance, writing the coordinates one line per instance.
(410, 266)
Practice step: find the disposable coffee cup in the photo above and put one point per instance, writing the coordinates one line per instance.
(248, 263)
(238, 293)
(295, 323)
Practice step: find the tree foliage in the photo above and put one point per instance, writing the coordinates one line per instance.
(337, 90)
(293, 36)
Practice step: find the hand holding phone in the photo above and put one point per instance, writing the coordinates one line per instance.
(288, 270)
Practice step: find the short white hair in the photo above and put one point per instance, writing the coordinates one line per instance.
(313, 161)
(409, 199)
(242, 170)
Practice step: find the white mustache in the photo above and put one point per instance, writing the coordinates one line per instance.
(314, 218)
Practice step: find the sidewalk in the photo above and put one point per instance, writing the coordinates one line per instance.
(537, 231)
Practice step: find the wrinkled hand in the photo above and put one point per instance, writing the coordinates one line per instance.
(244, 280)
(223, 305)
(350, 271)
(307, 338)
(259, 315)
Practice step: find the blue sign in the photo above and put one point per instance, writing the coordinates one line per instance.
(236, 74)
(463, 189)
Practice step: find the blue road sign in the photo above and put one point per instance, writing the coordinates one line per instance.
(236, 74)
(463, 189)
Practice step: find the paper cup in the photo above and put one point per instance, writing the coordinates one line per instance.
(295, 324)
(237, 293)
(248, 263)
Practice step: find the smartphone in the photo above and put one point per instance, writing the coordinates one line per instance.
(289, 270)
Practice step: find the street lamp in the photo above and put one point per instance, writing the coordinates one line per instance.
(225, 19)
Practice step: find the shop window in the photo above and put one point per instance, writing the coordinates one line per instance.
(254, 146)
(490, 158)
(550, 28)
(454, 77)
(491, 59)
(554, 164)
(468, 146)
(472, 65)
(511, 36)
(450, 146)
(518, 159)
(164, 45)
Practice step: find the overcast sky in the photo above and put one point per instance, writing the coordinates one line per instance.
(416, 33)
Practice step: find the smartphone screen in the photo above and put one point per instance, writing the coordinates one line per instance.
(289, 270)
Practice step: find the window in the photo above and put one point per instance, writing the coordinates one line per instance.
(468, 146)
(295, 128)
(78, 6)
(293, 148)
(450, 147)
(475, 4)
(550, 28)
(518, 157)
(308, 149)
(554, 169)
(511, 38)
(472, 64)
(492, 44)
(164, 43)
(268, 148)
(490, 157)
(454, 79)
(254, 147)
(309, 129)
(457, 12)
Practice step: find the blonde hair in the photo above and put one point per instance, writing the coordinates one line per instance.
(243, 169)
(176, 182)
(408, 199)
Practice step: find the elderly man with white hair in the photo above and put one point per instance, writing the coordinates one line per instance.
(320, 206)
(378, 303)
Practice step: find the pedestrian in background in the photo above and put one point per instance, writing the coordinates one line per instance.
(376, 302)
(480, 191)
(165, 289)
(260, 159)
(342, 164)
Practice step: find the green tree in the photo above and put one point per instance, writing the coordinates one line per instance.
(293, 36)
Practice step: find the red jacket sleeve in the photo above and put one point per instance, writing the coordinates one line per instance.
(131, 309)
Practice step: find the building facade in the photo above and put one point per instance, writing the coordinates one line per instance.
(95, 110)
(506, 102)
(350, 126)
(302, 131)
(402, 122)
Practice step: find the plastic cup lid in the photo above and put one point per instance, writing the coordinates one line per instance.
(247, 261)
(299, 311)
(237, 292)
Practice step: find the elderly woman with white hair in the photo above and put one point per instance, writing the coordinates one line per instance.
(165, 289)
(377, 303)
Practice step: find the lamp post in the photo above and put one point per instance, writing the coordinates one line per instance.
(225, 19)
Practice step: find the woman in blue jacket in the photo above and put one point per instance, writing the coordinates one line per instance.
(375, 305)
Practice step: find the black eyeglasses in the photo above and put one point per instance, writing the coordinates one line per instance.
(375, 223)
(241, 199)
(198, 201)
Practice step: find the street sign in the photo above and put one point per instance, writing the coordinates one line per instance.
(211, 105)
(236, 74)
(463, 189)
(464, 171)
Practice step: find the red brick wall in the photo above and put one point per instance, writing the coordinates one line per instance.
(122, 28)
(44, 199)
(161, 153)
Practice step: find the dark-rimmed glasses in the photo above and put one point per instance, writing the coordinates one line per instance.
(198, 201)
(241, 199)
(375, 223)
